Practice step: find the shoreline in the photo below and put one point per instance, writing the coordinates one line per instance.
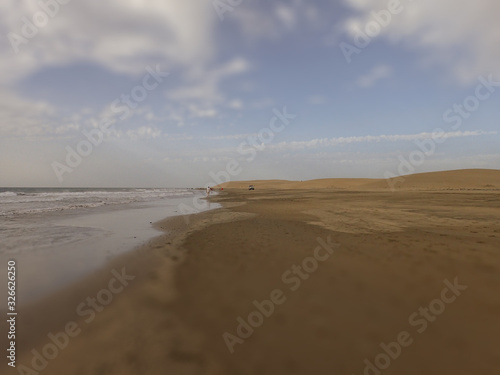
(57, 248)
(141, 268)
(191, 286)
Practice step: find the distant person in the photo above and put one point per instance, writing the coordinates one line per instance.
(209, 189)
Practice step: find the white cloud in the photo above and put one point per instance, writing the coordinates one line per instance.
(320, 143)
(263, 103)
(206, 82)
(122, 35)
(236, 104)
(202, 113)
(231, 136)
(329, 142)
(375, 75)
(273, 20)
(173, 160)
(211, 159)
(125, 36)
(23, 117)
(460, 34)
(143, 132)
(286, 15)
(202, 93)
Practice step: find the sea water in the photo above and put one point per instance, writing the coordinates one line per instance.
(58, 235)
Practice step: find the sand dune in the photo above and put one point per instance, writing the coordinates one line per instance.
(465, 179)
(325, 183)
(448, 180)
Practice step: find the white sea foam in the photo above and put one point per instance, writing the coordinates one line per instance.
(7, 194)
(31, 201)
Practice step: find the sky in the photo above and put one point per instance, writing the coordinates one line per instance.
(190, 93)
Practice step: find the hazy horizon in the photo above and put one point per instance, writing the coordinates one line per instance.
(232, 180)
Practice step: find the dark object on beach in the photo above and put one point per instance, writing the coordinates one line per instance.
(250, 187)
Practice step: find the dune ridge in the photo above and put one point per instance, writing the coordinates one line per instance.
(462, 179)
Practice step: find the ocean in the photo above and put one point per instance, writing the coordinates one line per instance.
(18, 201)
(57, 235)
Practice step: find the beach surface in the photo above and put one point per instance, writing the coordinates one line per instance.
(324, 277)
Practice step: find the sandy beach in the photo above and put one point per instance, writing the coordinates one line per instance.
(315, 277)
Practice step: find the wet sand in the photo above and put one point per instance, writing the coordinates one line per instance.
(59, 247)
(291, 281)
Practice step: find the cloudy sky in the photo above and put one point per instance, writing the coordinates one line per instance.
(188, 92)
